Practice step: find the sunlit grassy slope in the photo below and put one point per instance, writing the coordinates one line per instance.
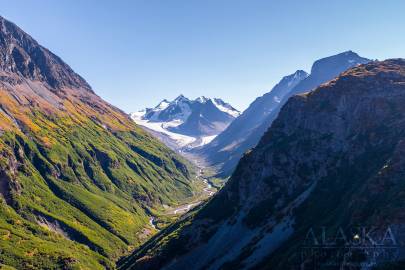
(78, 182)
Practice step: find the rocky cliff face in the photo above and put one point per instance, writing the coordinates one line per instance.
(330, 163)
(78, 179)
(21, 54)
(246, 131)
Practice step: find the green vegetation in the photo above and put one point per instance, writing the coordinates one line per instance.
(79, 181)
(79, 196)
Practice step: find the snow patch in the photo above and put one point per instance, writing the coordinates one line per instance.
(226, 109)
(207, 139)
(182, 140)
(162, 105)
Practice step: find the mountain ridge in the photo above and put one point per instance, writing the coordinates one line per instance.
(229, 146)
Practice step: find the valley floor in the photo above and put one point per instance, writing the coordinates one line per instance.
(206, 190)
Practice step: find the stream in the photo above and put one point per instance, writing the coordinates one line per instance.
(208, 190)
(152, 223)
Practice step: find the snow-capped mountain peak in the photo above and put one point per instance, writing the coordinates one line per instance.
(202, 99)
(162, 105)
(220, 104)
(187, 122)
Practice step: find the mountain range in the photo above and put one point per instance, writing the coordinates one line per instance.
(316, 170)
(79, 180)
(322, 188)
(184, 123)
(244, 133)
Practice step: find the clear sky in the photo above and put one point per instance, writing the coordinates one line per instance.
(134, 53)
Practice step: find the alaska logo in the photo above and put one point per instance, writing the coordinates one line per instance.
(356, 236)
(344, 248)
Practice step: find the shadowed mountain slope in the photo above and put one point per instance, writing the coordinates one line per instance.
(334, 158)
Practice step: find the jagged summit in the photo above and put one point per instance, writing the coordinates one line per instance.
(22, 55)
(202, 99)
(300, 74)
(181, 98)
(292, 79)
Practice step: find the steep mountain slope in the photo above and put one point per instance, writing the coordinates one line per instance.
(78, 179)
(185, 123)
(245, 132)
(333, 161)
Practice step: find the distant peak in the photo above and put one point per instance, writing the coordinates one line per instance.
(300, 71)
(349, 57)
(225, 107)
(300, 74)
(294, 78)
(181, 97)
(202, 99)
(350, 52)
(163, 104)
(219, 101)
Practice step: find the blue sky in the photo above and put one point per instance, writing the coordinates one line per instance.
(136, 52)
